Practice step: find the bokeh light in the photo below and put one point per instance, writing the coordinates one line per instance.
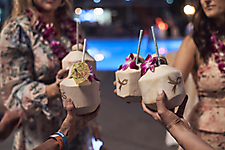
(163, 50)
(158, 20)
(99, 57)
(189, 10)
(163, 26)
(96, 1)
(78, 11)
(169, 1)
(98, 11)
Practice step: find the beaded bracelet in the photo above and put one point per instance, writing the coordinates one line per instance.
(61, 139)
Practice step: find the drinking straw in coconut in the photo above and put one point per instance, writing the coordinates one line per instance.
(139, 45)
(77, 29)
(156, 47)
(85, 41)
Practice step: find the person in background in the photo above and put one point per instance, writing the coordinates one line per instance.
(202, 54)
(175, 124)
(34, 40)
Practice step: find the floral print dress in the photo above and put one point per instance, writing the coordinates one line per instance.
(207, 118)
(27, 65)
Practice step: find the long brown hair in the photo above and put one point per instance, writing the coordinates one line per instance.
(20, 8)
(203, 27)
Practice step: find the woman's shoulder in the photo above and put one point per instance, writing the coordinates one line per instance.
(188, 40)
(16, 27)
(188, 45)
(20, 21)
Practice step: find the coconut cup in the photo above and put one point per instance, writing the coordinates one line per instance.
(75, 56)
(166, 78)
(127, 84)
(85, 96)
(127, 81)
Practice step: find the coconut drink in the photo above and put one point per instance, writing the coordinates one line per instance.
(127, 78)
(156, 76)
(128, 75)
(82, 87)
(162, 77)
(75, 56)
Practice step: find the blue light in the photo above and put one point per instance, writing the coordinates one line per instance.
(96, 1)
(87, 15)
(169, 1)
(96, 144)
(116, 50)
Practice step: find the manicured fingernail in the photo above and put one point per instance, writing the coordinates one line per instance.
(67, 68)
(160, 91)
(68, 100)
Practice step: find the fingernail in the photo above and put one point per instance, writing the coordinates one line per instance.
(67, 68)
(68, 100)
(160, 91)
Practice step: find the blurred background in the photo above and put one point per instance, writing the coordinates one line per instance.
(112, 26)
(112, 30)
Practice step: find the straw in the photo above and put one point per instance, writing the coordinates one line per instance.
(77, 29)
(139, 45)
(156, 47)
(85, 41)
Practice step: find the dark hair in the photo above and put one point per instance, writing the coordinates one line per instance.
(203, 28)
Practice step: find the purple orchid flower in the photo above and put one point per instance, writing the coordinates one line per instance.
(213, 38)
(213, 47)
(222, 46)
(48, 32)
(217, 47)
(148, 64)
(130, 61)
(221, 66)
(92, 75)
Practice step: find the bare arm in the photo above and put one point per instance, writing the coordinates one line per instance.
(187, 139)
(177, 127)
(10, 120)
(185, 57)
(70, 127)
(50, 144)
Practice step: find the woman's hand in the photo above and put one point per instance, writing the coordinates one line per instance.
(164, 116)
(61, 75)
(53, 90)
(114, 83)
(73, 123)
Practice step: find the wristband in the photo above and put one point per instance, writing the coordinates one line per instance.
(59, 140)
(64, 139)
(174, 122)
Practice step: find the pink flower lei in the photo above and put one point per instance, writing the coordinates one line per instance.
(48, 32)
(218, 48)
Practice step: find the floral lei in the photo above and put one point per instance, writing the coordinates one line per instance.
(148, 64)
(218, 48)
(48, 31)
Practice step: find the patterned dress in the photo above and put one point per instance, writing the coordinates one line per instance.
(27, 65)
(207, 118)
